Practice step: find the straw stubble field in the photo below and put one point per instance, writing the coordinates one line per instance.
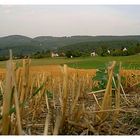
(54, 99)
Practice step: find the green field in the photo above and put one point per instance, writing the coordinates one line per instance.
(129, 62)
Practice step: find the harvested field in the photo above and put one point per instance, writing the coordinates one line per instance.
(56, 70)
(132, 77)
(54, 99)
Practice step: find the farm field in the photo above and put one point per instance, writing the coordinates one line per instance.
(69, 69)
(129, 62)
(45, 97)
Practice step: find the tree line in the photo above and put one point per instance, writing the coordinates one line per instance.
(77, 50)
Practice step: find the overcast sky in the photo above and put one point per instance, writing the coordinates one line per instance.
(69, 20)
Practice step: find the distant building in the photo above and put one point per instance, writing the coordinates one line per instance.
(54, 54)
(93, 54)
(108, 51)
(124, 49)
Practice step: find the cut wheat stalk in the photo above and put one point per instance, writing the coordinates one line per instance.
(107, 96)
(96, 100)
(53, 92)
(23, 85)
(41, 93)
(65, 93)
(76, 98)
(107, 110)
(113, 79)
(18, 78)
(47, 122)
(34, 108)
(27, 76)
(1, 87)
(7, 100)
(73, 87)
(60, 98)
(124, 94)
(83, 86)
(117, 96)
(25, 80)
(16, 103)
(57, 125)
(32, 85)
(20, 86)
(35, 125)
(99, 91)
(47, 102)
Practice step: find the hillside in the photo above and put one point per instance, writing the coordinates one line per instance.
(94, 45)
(22, 45)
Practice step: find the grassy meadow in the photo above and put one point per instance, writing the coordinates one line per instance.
(128, 62)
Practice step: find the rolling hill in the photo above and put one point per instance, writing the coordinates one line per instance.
(22, 45)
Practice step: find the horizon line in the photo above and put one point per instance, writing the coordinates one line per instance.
(70, 35)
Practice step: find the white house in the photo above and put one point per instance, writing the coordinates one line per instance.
(108, 51)
(93, 54)
(124, 49)
(54, 54)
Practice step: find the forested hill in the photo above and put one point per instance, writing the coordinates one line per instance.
(95, 45)
(22, 45)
